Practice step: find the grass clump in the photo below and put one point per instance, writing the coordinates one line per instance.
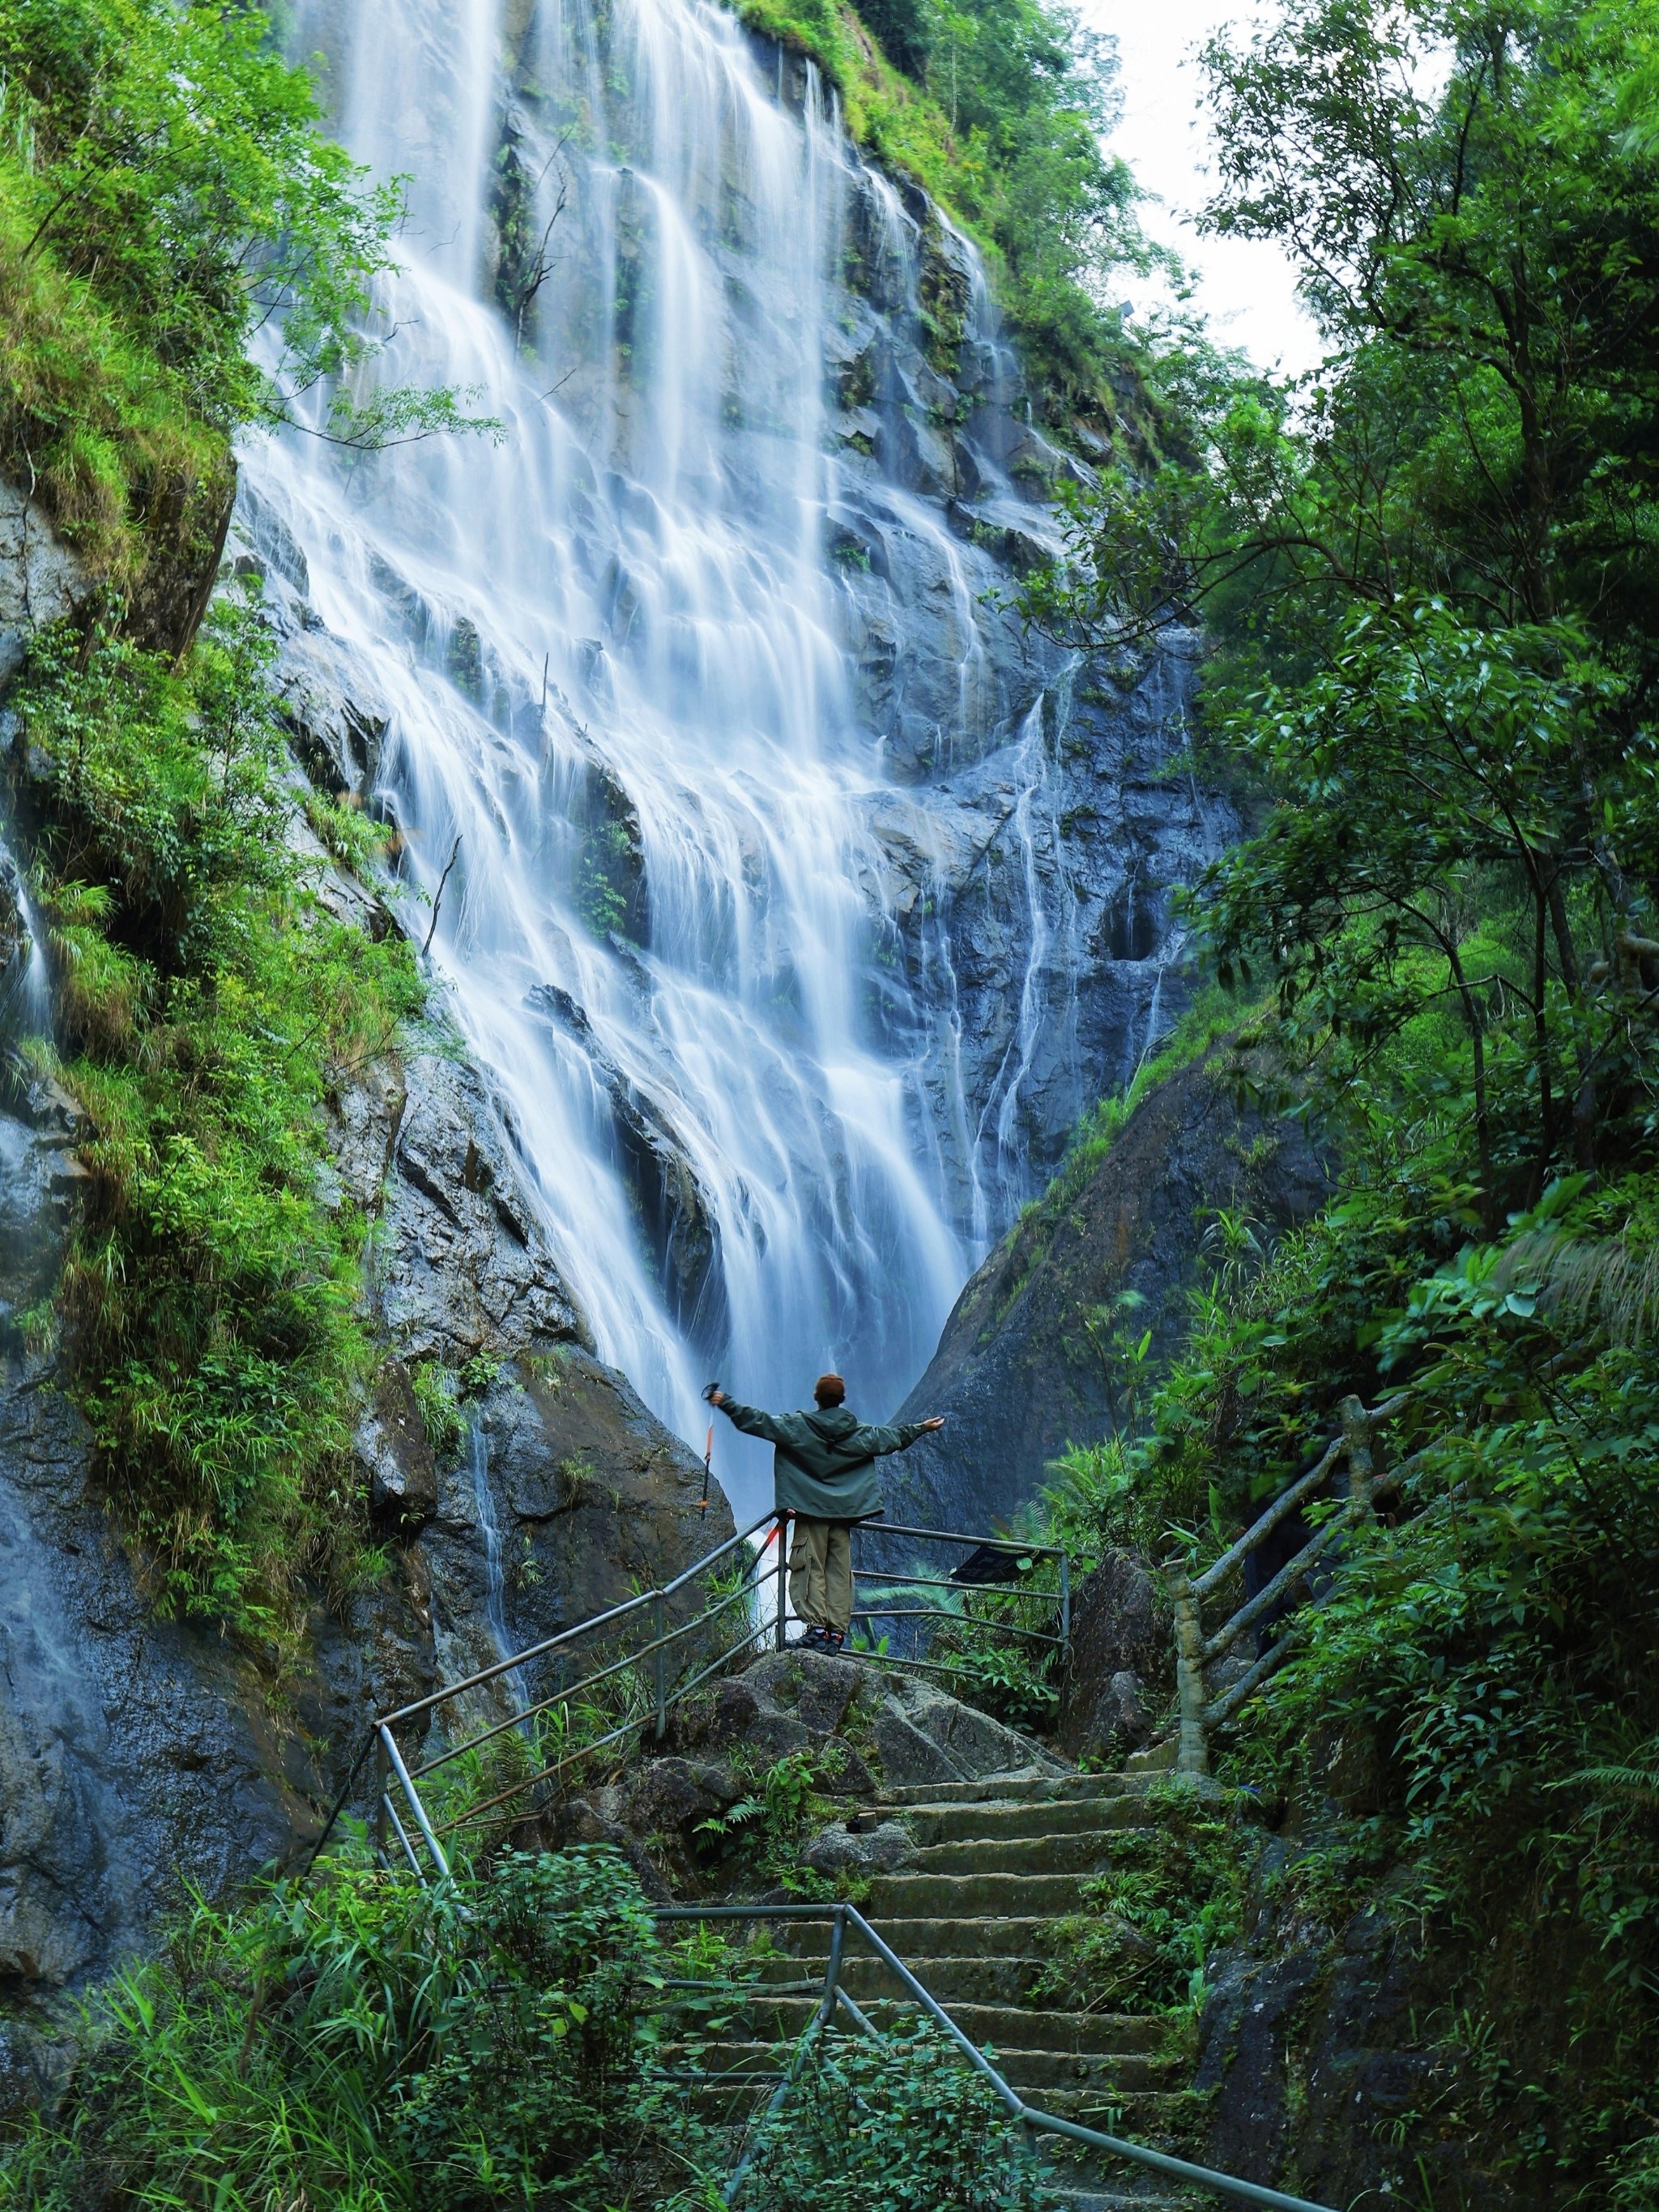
(209, 1009)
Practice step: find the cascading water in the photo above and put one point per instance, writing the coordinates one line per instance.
(513, 1683)
(25, 983)
(611, 653)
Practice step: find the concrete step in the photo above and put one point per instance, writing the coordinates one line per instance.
(970, 1897)
(1000, 1818)
(1005, 2027)
(1076, 1851)
(1041, 1789)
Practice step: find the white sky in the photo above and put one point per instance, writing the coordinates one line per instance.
(1246, 287)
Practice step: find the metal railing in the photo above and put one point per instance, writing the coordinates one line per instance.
(755, 1558)
(845, 1920)
(1197, 1653)
(503, 1766)
(1011, 1603)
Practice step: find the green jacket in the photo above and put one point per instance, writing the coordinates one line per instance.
(825, 1465)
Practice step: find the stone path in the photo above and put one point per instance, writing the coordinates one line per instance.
(998, 1862)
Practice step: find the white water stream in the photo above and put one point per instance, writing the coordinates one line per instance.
(630, 596)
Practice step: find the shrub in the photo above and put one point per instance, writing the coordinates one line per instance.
(364, 2043)
(902, 2126)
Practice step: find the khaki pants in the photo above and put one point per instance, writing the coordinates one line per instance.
(821, 1572)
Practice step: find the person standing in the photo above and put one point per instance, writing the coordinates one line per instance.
(823, 1463)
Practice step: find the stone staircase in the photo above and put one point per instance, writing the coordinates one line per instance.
(998, 1863)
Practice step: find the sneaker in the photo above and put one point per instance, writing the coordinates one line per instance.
(833, 1639)
(813, 1640)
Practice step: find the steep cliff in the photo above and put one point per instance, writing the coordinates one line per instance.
(1029, 1360)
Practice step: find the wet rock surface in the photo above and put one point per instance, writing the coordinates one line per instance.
(1122, 1669)
(1320, 2066)
(1024, 1365)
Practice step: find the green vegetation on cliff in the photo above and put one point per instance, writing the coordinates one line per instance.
(1430, 577)
(209, 1007)
(996, 108)
(165, 201)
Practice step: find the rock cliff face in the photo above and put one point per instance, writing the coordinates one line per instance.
(1026, 1363)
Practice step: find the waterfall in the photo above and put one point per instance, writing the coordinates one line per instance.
(25, 981)
(618, 658)
(495, 1557)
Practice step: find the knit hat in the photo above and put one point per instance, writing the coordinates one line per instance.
(829, 1390)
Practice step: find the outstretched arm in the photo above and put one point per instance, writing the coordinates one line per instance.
(749, 1419)
(876, 1440)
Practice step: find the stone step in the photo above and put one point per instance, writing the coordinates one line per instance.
(1076, 1851)
(953, 1981)
(970, 1897)
(918, 1936)
(1004, 2028)
(1160, 2117)
(1000, 1818)
(1038, 2075)
(1038, 1788)
(1128, 2200)
(1156, 1759)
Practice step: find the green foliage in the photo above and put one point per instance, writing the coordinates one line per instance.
(165, 195)
(209, 1009)
(997, 107)
(363, 2044)
(899, 2126)
(1429, 576)
(437, 1395)
(772, 1821)
(1172, 1899)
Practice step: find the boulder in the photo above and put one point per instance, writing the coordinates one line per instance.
(679, 1794)
(1122, 1660)
(844, 1849)
(866, 1724)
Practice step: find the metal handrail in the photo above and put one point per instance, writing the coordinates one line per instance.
(844, 1917)
(393, 1775)
(1195, 1652)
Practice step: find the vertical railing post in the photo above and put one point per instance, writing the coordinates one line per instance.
(661, 1669)
(1194, 1756)
(382, 1777)
(1065, 1610)
(832, 1971)
(783, 1579)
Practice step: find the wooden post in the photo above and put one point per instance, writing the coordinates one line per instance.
(1194, 1756)
(1358, 1434)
